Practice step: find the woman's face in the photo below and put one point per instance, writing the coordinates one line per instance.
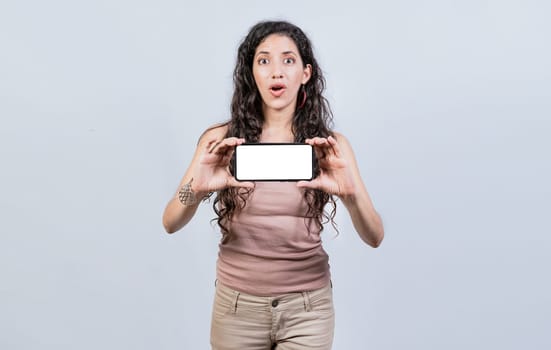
(278, 71)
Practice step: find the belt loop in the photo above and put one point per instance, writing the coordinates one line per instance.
(307, 305)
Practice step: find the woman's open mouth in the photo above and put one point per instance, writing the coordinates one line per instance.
(277, 89)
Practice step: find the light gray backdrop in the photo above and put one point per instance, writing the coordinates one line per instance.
(447, 104)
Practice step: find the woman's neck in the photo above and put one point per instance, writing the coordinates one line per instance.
(277, 127)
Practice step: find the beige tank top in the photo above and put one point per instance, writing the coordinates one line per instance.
(273, 248)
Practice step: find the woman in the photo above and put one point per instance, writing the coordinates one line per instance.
(273, 284)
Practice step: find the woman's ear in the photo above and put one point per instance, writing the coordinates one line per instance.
(307, 73)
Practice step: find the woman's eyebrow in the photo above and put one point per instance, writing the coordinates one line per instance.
(289, 52)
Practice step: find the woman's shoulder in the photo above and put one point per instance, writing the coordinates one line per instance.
(339, 137)
(215, 132)
(342, 140)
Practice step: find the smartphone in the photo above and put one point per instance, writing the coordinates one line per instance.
(274, 162)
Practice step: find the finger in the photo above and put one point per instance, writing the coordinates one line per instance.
(228, 143)
(329, 146)
(315, 141)
(335, 148)
(318, 144)
(227, 147)
(232, 182)
(211, 145)
(232, 141)
(313, 184)
(323, 144)
(319, 141)
(319, 153)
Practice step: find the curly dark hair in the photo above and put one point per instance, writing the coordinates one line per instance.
(313, 118)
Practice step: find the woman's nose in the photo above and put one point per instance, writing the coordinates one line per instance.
(277, 72)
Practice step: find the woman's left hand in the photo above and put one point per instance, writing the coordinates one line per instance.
(335, 175)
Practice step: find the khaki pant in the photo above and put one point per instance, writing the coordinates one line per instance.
(295, 321)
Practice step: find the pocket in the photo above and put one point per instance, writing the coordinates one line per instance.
(224, 301)
(323, 301)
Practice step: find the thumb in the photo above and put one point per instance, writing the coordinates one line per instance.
(313, 184)
(234, 183)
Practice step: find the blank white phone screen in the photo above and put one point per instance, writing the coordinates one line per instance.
(273, 162)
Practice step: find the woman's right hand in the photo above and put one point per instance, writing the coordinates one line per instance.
(212, 172)
(208, 172)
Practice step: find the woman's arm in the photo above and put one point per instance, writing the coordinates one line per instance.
(365, 218)
(208, 172)
(177, 215)
(340, 176)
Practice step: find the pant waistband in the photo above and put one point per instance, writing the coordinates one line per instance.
(286, 301)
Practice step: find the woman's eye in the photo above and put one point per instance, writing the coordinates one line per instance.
(263, 61)
(289, 60)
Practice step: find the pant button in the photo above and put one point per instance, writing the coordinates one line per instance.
(275, 302)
